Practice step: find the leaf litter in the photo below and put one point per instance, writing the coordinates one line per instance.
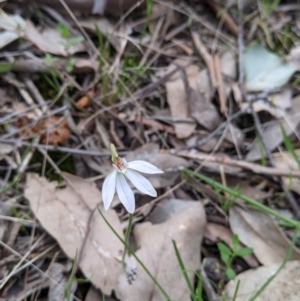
(68, 215)
(166, 84)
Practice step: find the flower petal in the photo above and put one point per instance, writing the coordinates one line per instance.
(144, 167)
(108, 189)
(125, 193)
(140, 182)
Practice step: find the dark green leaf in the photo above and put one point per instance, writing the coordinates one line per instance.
(225, 252)
(223, 248)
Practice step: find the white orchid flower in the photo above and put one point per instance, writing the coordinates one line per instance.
(117, 181)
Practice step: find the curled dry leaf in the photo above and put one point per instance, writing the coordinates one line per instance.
(258, 230)
(285, 286)
(55, 130)
(170, 164)
(155, 250)
(65, 213)
(85, 101)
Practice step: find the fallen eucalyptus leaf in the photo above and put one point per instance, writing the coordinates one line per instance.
(285, 286)
(65, 213)
(178, 100)
(155, 250)
(265, 70)
(258, 230)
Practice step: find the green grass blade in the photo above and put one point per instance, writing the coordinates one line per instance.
(247, 200)
(184, 271)
(236, 290)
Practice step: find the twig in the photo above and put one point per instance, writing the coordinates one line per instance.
(255, 168)
(35, 92)
(206, 57)
(155, 124)
(227, 19)
(19, 143)
(220, 85)
(114, 135)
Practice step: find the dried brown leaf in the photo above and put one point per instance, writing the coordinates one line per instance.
(179, 103)
(204, 86)
(54, 130)
(205, 113)
(85, 101)
(155, 249)
(258, 230)
(228, 65)
(65, 214)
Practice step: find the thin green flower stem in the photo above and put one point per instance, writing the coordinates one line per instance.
(246, 199)
(136, 258)
(127, 234)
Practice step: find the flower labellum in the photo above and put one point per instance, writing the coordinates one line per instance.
(117, 180)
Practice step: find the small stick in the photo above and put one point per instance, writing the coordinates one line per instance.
(227, 19)
(206, 57)
(255, 168)
(220, 86)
